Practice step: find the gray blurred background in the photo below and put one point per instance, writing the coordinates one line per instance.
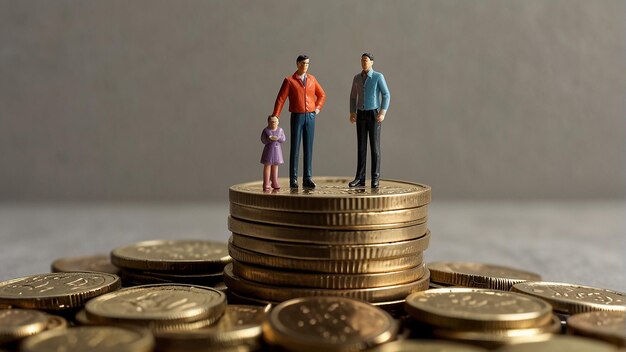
(163, 100)
(123, 121)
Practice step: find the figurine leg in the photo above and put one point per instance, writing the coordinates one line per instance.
(361, 142)
(274, 174)
(374, 135)
(296, 126)
(266, 177)
(307, 139)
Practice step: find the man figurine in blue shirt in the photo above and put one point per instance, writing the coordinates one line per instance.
(368, 111)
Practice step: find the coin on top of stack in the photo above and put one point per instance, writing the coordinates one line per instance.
(98, 262)
(194, 262)
(484, 317)
(477, 275)
(333, 240)
(160, 308)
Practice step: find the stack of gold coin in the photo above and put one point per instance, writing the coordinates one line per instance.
(477, 275)
(484, 317)
(193, 262)
(333, 240)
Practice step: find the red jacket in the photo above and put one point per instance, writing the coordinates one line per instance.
(301, 99)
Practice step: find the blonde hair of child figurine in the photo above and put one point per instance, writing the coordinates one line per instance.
(272, 136)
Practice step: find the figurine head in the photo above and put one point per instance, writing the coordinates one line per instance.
(272, 122)
(303, 64)
(367, 61)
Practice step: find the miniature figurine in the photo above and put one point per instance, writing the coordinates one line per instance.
(306, 99)
(364, 110)
(272, 136)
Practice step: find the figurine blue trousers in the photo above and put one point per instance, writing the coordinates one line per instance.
(366, 126)
(302, 128)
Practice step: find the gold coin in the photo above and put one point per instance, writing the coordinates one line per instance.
(239, 326)
(100, 263)
(376, 220)
(328, 324)
(279, 294)
(333, 252)
(328, 281)
(180, 256)
(478, 275)
(332, 194)
(326, 266)
(425, 346)
(19, 323)
(82, 319)
(561, 343)
(325, 236)
(572, 299)
(495, 338)
(91, 339)
(56, 291)
(607, 326)
(159, 307)
(474, 309)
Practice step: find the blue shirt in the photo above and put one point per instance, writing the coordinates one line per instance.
(365, 94)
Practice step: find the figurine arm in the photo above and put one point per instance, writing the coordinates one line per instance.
(281, 136)
(321, 96)
(353, 96)
(264, 138)
(384, 91)
(280, 98)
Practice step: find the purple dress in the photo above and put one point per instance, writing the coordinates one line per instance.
(272, 152)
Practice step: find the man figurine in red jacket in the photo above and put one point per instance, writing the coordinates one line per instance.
(306, 99)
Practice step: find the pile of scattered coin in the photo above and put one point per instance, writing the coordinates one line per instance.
(193, 262)
(329, 241)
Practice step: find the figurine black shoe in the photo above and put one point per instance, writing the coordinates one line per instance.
(293, 184)
(308, 183)
(357, 182)
(375, 183)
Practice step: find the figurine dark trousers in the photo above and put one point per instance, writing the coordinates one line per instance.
(366, 126)
(302, 128)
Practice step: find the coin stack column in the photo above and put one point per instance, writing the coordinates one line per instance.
(333, 240)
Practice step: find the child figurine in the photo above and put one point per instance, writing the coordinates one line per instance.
(272, 155)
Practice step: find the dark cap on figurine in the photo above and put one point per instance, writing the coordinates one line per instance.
(301, 58)
(368, 55)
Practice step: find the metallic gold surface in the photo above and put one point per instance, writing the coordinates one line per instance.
(474, 309)
(328, 324)
(325, 236)
(325, 266)
(182, 256)
(425, 346)
(478, 275)
(496, 338)
(607, 326)
(333, 252)
(332, 194)
(56, 291)
(100, 262)
(277, 293)
(91, 339)
(572, 299)
(159, 307)
(561, 343)
(19, 323)
(347, 221)
(55, 322)
(239, 326)
(327, 281)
